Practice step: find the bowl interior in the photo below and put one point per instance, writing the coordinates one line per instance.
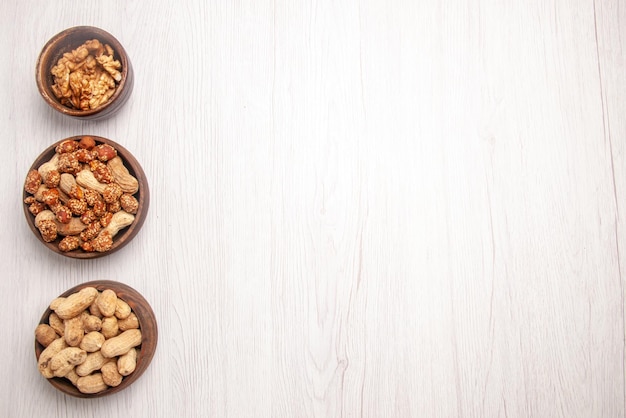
(125, 235)
(67, 41)
(149, 332)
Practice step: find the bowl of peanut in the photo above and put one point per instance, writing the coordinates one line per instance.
(84, 72)
(95, 339)
(85, 197)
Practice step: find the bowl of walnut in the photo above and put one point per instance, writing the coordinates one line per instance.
(95, 339)
(85, 197)
(85, 73)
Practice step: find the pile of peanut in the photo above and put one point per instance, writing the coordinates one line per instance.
(86, 77)
(91, 339)
(84, 194)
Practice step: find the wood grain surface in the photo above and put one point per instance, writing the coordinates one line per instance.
(357, 208)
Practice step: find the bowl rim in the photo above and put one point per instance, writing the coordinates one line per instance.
(124, 236)
(55, 43)
(147, 320)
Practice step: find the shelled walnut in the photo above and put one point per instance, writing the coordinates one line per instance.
(84, 210)
(86, 77)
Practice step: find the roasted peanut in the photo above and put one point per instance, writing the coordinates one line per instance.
(32, 182)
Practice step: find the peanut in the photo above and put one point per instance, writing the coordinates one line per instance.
(121, 344)
(86, 179)
(74, 331)
(107, 301)
(76, 303)
(110, 374)
(95, 311)
(110, 327)
(122, 309)
(47, 167)
(91, 384)
(45, 334)
(127, 363)
(92, 342)
(92, 323)
(57, 324)
(72, 376)
(46, 356)
(66, 359)
(127, 182)
(131, 322)
(93, 362)
(55, 303)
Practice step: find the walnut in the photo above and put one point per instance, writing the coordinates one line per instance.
(86, 77)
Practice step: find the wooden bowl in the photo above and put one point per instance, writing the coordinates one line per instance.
(67, 41)
(147, 324)
(124, 236)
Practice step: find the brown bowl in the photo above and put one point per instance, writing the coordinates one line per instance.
(124, 236)
(147, 324)
(67, 41)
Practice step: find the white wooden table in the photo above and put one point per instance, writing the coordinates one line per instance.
(358, 208)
